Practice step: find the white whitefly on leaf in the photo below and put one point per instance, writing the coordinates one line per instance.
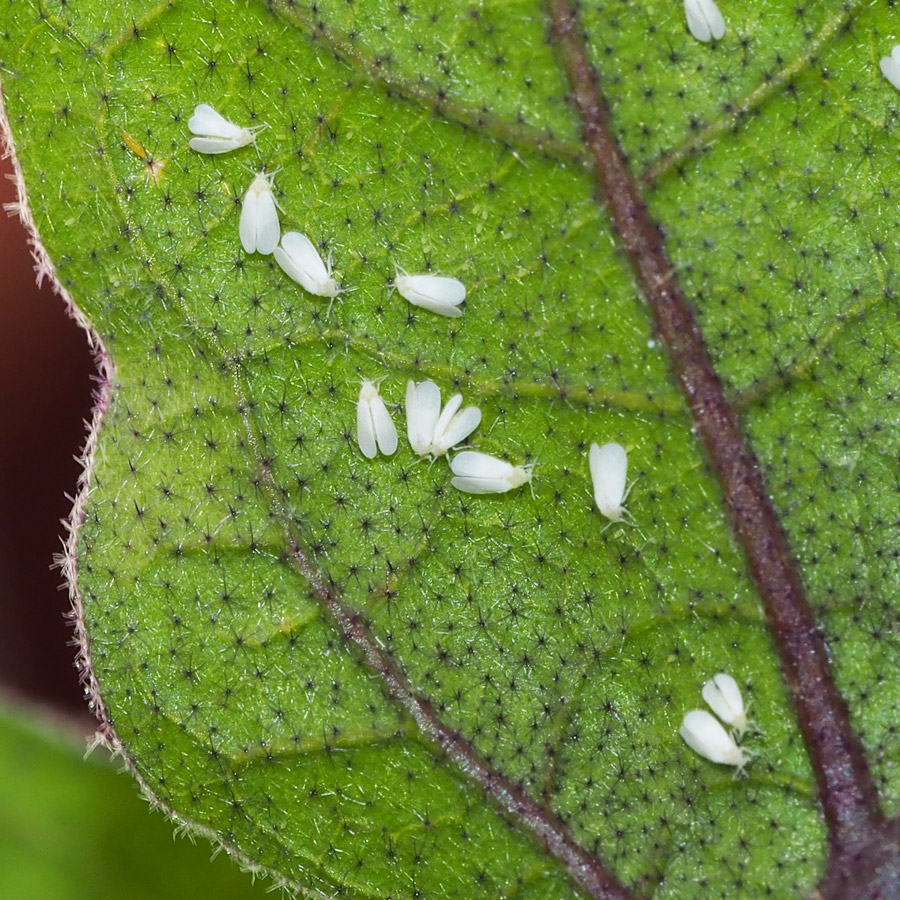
(431, 430)
(609, 470)
(436, 293)
(259, 227)
(481, 473)
(300, 261)
(375, 430)
(216, 134)
(704, 20)
(704, 734)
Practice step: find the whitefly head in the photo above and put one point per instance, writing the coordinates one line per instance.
(521, 475)
(368, 391)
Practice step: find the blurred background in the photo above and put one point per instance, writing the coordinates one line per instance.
(45, 396)
(70, 828)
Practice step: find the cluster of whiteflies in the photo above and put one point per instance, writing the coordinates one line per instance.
(706, 735)
(432, 430)
(295, 253)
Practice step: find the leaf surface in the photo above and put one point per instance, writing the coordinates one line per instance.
(438, 138)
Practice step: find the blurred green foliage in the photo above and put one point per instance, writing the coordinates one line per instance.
(72, 829)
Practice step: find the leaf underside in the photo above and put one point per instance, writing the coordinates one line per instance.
(438, 137)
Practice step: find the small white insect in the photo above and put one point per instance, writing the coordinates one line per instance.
(890, 67)
(431, 430)
(704, 734)
(215, 134)
(437, 293)
(301, 262)
(480, 473)
(723, 695)
(259, 227)
(704, 21)
(374, 429)
(609, 469)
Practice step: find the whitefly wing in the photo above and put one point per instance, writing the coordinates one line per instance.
(890, 67)
(481, 473)
(704, 734)
(290, 257)
(249, 216)
(609, 471)
(424, 289)
(208, 122)
(385, 431)
(480, 485)
(211, 146)
(723, 696)
(474, 464)
(301, 261)
(365, 424)
(268, 229)
(446, 417)
(457, 430)
(307, 256)
(423, 407)
(704, 20)
(259, 227)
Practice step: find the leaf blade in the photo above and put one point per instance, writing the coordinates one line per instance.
(200, 324)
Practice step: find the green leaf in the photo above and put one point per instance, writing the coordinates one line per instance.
(565, 650)
(72, 830)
